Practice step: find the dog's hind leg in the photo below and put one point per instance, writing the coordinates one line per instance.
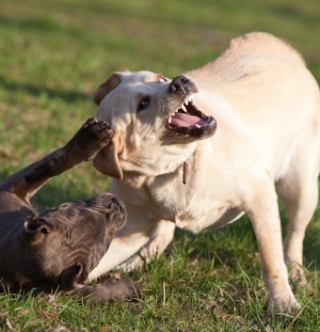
(262, 209)
(92, 137)
(298, 191)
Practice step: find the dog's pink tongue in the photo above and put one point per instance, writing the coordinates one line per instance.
(185, 120)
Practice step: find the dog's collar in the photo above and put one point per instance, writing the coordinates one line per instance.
(185, 172)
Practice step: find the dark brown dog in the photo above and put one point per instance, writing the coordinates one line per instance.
(60, 247)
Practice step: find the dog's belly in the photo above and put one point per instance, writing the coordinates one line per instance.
(228, 217)
(207, 221)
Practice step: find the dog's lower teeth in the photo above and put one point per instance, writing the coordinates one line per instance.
(198, 126)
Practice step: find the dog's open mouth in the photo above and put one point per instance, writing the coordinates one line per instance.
(189, 120)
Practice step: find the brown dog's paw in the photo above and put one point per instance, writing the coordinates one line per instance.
(92, 137)
(98, 132)
(89, 122)
(112, 290)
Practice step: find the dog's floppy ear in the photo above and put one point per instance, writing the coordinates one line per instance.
(34, 225)
(36, 229)
(111, 83)
(107, 161)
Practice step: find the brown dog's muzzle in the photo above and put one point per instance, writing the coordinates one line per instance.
(115, 206)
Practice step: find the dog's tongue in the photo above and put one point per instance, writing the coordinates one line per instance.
(186, 120)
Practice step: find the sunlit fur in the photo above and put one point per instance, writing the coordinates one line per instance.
(267, 107)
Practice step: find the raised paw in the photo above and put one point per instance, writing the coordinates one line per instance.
(97, 132)
(93, 136)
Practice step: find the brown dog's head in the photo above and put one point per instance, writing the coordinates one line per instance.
(66, 243)
(151, 114)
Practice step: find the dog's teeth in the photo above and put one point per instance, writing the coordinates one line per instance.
(169, 120)
(183, 108)
(197, 126)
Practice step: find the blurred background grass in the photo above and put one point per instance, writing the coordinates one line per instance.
(54, 54)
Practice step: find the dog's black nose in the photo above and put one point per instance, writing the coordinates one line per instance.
(182, 85)
(111, 202)
(120, 203)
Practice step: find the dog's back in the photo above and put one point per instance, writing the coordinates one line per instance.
(267, 110)
(284, 114)
(242, 50)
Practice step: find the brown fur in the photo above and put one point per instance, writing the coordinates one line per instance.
(61, 246)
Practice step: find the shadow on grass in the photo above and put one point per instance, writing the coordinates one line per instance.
(311, 243)
(40, 23)
(229, 245)
(67, 96)
(54, 192)
(4, 174)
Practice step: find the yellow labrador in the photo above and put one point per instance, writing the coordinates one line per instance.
(200, 150)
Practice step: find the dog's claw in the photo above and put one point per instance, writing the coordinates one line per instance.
(89, 122)
(105, 124)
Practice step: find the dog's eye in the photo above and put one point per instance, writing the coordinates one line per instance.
(144, 103)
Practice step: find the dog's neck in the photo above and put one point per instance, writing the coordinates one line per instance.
(154, 165)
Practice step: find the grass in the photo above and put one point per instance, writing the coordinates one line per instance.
(53, 56)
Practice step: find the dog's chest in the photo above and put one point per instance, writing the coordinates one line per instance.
(194, 210)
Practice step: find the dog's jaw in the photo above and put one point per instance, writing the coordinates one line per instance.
(188, 120)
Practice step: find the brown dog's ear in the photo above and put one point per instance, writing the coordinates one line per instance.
(35, 225)
(107, 161)
(36, 230)
(111, 83)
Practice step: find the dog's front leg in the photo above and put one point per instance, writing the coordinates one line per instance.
(151, 235)
(161, 236)
(262, 210)
(91, 137)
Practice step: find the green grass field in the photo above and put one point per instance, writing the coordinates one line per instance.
(53, 55)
